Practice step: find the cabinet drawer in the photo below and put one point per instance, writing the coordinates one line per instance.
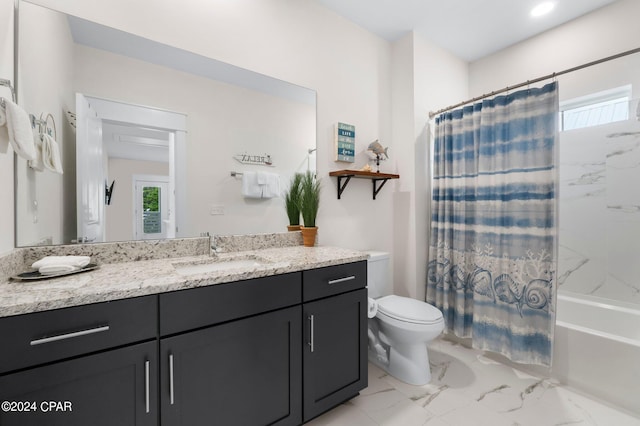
(199, 307)
(323, 282)
(32, 339)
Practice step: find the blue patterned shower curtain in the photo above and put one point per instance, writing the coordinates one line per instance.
(492, 254)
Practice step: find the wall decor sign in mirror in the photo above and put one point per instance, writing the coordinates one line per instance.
(156, 119)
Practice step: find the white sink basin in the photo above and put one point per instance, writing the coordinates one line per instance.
(217, 265)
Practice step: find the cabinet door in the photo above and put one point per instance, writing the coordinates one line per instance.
(335, 353)
(245, 372)
(117, 387)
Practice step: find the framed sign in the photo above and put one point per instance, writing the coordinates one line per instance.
(345, 143)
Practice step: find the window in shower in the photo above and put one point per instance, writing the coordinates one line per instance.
(595, 109)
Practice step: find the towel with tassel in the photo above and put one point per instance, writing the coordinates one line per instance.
(51, 154)
(4, 134)
(38, 164)
(19, 130)
(57, 264)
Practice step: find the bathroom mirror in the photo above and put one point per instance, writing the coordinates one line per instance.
(234, 120)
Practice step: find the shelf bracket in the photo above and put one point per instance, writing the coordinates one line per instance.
(341, 187)
(376, 188)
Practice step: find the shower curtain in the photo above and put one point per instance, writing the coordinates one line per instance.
(492, 251)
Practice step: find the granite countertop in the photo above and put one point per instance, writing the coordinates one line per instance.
(113, 281)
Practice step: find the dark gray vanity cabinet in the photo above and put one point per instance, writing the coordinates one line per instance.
(277, 350)
(117, 387)
(226, 365)
(58, 368)
(335, 333)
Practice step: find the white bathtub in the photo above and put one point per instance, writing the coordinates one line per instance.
(597, 349)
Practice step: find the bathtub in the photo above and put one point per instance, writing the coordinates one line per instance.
(597, 349)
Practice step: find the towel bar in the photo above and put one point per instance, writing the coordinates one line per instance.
(7, 83)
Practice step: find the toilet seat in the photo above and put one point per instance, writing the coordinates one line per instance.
(409, 310)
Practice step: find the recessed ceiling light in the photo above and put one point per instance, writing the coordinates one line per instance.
(542, 9)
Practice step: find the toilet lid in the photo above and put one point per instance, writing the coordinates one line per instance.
(410, 310)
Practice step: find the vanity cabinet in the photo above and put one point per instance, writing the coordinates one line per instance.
(335, 353)
(117, 387)
(277, 350)
(227, 365)
(58, 367)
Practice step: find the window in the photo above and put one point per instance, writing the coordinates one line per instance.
(595, 109)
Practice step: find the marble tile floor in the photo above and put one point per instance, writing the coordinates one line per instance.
(469, 389)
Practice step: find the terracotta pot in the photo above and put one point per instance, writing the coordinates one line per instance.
(293, 227)
(309, 235)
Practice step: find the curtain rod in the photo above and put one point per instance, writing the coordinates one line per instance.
(535, 80)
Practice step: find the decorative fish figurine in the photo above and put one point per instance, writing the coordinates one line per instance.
(378, 149)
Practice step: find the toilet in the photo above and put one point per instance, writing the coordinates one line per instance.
(399, 327)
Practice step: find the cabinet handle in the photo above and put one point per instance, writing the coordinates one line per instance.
(146, 385)
(341, 280)
(311, 341)
(69, 335)
(171, 399)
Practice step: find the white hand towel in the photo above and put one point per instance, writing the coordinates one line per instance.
(271, 188)
(57, 269)
(19, 130)
(261, 178)
(4, 134)
(250, 187)
(76, 261)
(51, 154)
(37, 164)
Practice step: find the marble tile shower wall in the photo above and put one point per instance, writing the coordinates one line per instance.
(600, 211)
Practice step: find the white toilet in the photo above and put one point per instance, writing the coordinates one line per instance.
(399, 327)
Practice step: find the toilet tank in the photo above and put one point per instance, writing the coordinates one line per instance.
(379, 274)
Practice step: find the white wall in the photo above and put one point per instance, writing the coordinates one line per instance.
(47, 66)
(604, 32)
(6, 152)
(300, 42)
(424, 77)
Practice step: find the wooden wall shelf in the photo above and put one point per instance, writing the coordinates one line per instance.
(375, 178)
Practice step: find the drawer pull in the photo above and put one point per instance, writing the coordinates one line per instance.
(341, 280)
(69, 335)
(146, 385)
(171, 399)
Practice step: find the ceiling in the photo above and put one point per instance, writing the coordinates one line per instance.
(470, 29)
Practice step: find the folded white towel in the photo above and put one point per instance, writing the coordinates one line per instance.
(271, 187)
(19, 130)
(57, 269)
(37, 164)
(261, 178)
(51, 154)
(75, 261)
(250, 187)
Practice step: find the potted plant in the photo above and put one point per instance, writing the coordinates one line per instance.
(309, 203)
(292, 202)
